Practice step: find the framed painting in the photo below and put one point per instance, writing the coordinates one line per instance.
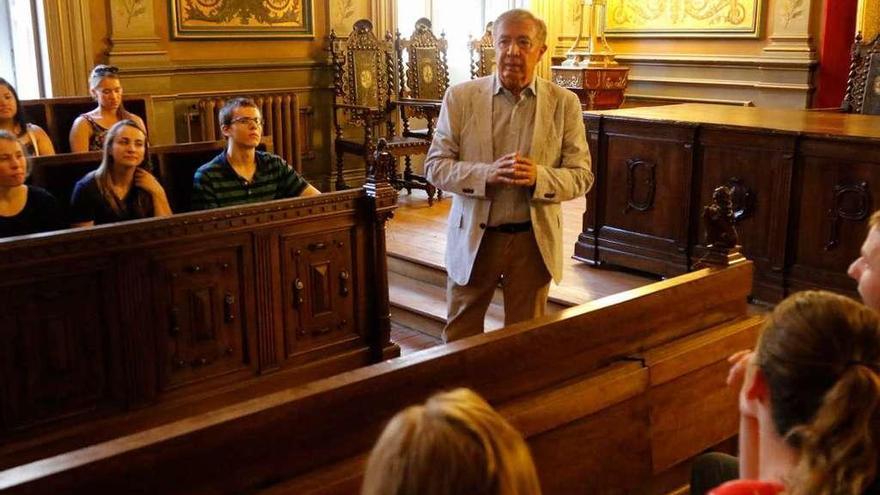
(684, 18)
(224, 19)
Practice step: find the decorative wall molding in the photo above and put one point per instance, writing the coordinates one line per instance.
(190, 67)
(134, 39)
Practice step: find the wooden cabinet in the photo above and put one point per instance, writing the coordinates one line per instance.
(172, 310)
(803, 186)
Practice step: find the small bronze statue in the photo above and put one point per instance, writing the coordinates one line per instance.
(383, 165)
(722, 242)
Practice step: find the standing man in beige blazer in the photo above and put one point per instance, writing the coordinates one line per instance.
(509, 147)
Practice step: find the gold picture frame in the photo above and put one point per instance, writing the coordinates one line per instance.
(684, 18)
(248, 19)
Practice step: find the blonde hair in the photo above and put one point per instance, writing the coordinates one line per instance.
(454, 444)
(820, 355)
(874, 221)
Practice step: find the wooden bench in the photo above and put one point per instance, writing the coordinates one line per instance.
(613, 396)
(174, 166)
(56, 115)
(173, 311)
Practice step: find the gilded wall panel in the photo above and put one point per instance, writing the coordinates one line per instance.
(699, 18)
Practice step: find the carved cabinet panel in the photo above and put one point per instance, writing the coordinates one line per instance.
(645, 181)
(757, 169)
(838, 191)
(202, 331)
(317, 284)
(53, 352)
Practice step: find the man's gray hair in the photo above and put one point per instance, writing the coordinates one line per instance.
(521, 15)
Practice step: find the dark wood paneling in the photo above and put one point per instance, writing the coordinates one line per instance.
(171, 309)
(804, 186)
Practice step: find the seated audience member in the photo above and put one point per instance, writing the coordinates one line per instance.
(23, 209)
(810, 401)
(89, 129)
(454, 444)
(241, 174)
(121, 188)
(34, 140)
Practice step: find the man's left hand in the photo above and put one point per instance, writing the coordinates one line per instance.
(525, 172)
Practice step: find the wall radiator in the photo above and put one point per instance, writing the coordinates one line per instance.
(287, 122)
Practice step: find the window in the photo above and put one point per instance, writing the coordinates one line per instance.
(458, 19)
(22, 48)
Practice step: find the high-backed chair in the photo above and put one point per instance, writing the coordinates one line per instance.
(863, 84)
(482, 54)
(424, 77)
(365, 76)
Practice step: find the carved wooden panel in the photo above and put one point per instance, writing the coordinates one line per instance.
(643, 179)
(758, 169)
(318, 297)
(201, 315)
(52, 349)
(837, 192)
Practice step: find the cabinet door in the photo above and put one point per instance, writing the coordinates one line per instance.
(53, 337)
(203, 333)
(318, 291)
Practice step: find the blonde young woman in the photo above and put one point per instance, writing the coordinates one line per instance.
(121, 188)
(34, 140)
(89, 129)
(454, 444)
(810, 401)
(23, 209)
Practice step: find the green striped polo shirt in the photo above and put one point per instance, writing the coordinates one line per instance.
(216, 184)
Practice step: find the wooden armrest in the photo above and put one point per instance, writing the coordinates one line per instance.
(357, 107)
(415, 102)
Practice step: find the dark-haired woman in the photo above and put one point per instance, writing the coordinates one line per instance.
(34, 140)
(23, 209)
(121, 188)
(89, 129)
(810, 401)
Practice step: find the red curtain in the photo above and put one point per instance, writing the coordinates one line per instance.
(838, 31)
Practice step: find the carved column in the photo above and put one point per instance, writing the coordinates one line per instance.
(789, 28)
(134, 41)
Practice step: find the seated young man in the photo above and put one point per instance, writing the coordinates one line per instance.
(241, 174)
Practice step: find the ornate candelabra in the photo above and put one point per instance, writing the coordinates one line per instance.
(589, 68)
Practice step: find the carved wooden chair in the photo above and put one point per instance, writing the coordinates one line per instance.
(365, 77)
(424, 77)
(863, 83)
(482, 54)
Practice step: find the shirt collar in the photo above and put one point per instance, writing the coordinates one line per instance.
(498, 88)
(258, 158)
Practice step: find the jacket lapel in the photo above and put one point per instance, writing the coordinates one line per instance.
(483, 115)
(543, 119)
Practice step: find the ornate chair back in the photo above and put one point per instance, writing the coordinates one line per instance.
(482, 54)
(424, 76)
(863, 84)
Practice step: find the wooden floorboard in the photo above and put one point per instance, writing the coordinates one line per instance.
(418, 232)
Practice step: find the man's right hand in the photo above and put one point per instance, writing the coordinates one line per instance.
(503, 170)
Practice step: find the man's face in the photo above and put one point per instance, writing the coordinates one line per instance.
(246, 128)
(518, 52)
(866, 270)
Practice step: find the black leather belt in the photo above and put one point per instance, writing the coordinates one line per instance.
(511, 228)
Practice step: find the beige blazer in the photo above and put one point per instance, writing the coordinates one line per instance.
(461, 156)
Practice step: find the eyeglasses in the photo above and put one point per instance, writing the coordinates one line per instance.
(523, 43)
(249, 120)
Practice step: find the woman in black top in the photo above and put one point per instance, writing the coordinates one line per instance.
(121, 188)
(33, 139)
(23, 209)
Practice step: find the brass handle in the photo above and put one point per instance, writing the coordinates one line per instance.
(229, 308)
(297, 293)
(195, 269)
(343, 283)
(316, 246)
